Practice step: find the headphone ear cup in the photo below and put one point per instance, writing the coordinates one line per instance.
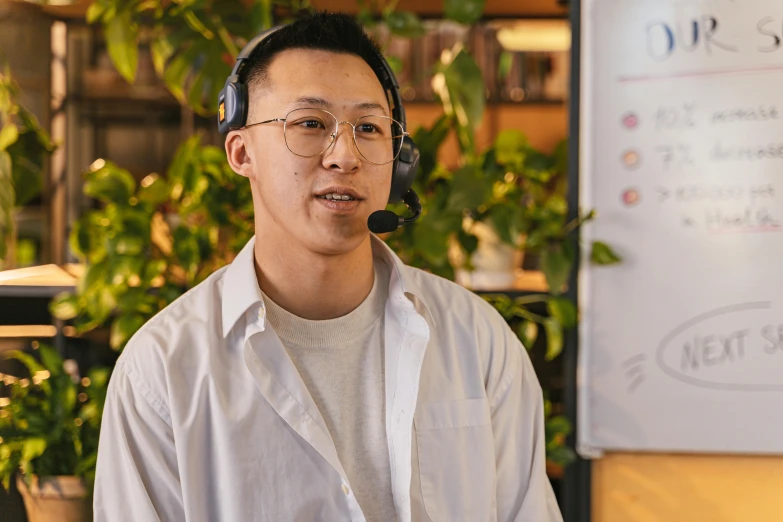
(232, 106)
(405, 168)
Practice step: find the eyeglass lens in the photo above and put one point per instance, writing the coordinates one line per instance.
(308, 132)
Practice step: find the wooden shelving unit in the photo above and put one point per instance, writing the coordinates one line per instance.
(426, 8)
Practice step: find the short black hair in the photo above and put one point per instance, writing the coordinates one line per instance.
(334, 32)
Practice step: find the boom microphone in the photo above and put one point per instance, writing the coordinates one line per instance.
(382, 221)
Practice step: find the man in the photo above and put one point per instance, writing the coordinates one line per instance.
(317, 378)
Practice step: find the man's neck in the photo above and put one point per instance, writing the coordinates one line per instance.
(313, 286)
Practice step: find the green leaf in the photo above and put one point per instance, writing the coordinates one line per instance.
(33, 448)
(69, 396)
(365, 16)
(95, 11)
(504, 221)
(110, 184)
(562, 310)
(429, 141)
(463, 11)
(121, 40)
(557, 204)
(51, 360)
(197, 25)
(137, 300)
(527, 331)
(123, 268)
(123, 329)
(79, 239)
(102, 304)
(176, 74)
(186, 249)
(261, 15)
(99, 378)
(603, 254)
(94, 277)
(560, 156)
(395, 63)
(511, 146)
(430, 243)
(555, 262)
(554, 338)
(128, 245)
(561, 455)
(505, 61)
(195, 91)
(160, 50)
(86, 464)
(469, 242)
(29, 154)
(461, 90)
(7, 200)
(179, 164)
(404, 23)
(468, 189)
(8, 135)
(153, 269)
(28, 360)
(559, 425)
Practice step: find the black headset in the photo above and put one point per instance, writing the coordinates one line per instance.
(233, 105)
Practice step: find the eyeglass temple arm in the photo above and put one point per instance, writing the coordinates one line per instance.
(281, 120)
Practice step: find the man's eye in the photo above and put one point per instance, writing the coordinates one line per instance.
(311, 124)
(368, 128)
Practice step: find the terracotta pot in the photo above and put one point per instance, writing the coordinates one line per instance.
(56, 499)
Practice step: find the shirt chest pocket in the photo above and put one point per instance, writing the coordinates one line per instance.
(456, 460)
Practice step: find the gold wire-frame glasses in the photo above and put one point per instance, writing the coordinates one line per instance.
(310, 132)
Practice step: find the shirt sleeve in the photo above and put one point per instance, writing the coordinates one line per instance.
(524, 493)
(137, 477)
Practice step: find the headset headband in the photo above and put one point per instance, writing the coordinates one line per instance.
(381, 69)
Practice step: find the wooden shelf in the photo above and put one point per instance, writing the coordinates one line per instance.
(36, 281)
(427, 8)
(527, 281)
(434, 8)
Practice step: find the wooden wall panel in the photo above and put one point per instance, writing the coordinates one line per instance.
(687, 488)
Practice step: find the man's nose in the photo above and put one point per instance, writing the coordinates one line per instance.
(342, 154)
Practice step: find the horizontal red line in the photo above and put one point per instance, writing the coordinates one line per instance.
(746, 230)
(705, 72)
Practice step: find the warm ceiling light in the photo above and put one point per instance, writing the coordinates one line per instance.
(535, 35)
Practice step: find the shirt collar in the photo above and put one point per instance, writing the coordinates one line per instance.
(241, 289)
(240, 286)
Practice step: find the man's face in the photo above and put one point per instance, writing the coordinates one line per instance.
(288, 189)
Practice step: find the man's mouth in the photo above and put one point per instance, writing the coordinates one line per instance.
(337, 197)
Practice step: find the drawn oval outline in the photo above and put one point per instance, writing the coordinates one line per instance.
(726, 310)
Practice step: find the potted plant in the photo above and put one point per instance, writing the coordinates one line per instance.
(523, 210)
(49, 427)
(24, 147)
(148, 242)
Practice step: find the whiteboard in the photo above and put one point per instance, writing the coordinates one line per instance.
(681, 154)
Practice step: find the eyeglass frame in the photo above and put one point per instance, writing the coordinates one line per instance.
(334, 133)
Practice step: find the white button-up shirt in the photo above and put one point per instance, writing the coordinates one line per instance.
(208, 420)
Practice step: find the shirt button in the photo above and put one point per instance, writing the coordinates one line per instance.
(261, 313)
(345, 489)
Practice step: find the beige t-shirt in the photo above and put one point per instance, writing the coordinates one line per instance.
(341, 362)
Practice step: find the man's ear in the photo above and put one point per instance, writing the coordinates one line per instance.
(238, 154)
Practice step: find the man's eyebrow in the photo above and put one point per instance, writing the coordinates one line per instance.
(314, 101)
(368, 106)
